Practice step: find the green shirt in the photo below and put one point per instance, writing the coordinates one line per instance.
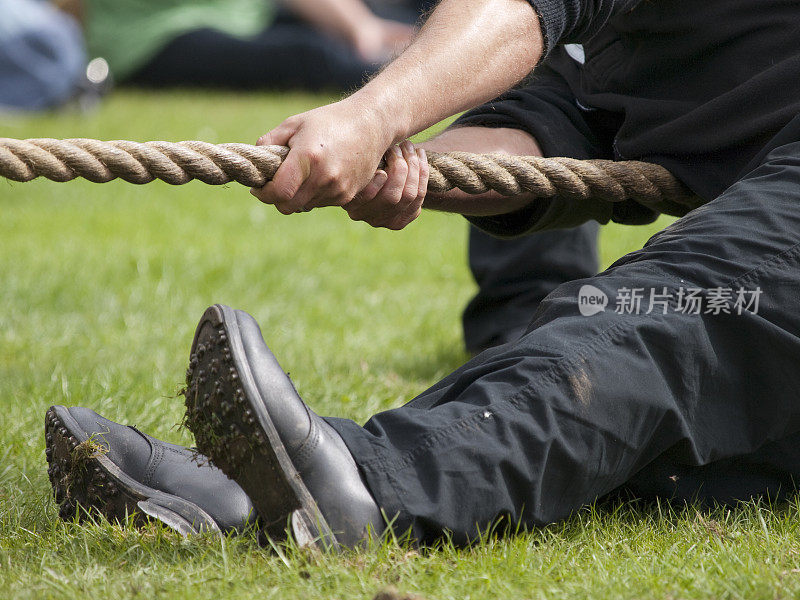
(128, 33)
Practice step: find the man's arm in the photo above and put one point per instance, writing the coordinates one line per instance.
(374, 38)
(480, 140)
(468, 52)
(498, 215)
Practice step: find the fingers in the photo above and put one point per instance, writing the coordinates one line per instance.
(308, 178)
(410, 206)
(399, 199)
(369, 192)
(376, 206)
(424, 176)
(425, 172)
(288, 180)
(411, 187)
(284, 189)
(398, 170)
(305, 179)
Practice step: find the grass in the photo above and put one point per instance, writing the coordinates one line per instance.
(100, 291)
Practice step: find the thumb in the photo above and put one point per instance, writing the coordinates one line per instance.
(285, 184)
(279, 136)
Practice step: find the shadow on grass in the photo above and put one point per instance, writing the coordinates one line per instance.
(430, 367)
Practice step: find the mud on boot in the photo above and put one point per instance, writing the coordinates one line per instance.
(98, 466)
(247, 417)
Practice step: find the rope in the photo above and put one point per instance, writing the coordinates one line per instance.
(215, 164)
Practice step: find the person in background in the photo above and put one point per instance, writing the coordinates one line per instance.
(243, 44)
(42, 56)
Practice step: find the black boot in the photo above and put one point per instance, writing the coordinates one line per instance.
(117, 470)
(247, 417)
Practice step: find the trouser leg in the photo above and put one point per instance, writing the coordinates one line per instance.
(286, 55)
(580, 405)
(772, 472)
(514, 276)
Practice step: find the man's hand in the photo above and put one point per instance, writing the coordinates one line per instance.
(334, 152)
(394, 196)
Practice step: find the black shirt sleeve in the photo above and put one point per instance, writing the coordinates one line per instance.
(545, 214)
(575, 21)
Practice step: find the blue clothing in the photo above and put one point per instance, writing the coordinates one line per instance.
(42, 56)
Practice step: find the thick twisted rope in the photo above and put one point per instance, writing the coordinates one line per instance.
(180, 162)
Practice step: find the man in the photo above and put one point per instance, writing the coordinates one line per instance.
(684, 387)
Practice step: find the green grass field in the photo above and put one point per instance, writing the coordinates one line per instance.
(101, 287)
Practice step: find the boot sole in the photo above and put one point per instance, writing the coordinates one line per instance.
(87, 482)
(232, 426)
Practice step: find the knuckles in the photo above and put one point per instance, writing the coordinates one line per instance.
(292, 122)
(403, 220)
(394, 222)
(331, 179)
(282, 196)
(402, 168)
(396, 225)
(314, 157)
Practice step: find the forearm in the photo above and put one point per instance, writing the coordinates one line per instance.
(480, 140)
(450, 67)
(497, 214)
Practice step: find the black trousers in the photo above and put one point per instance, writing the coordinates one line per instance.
(514, 276)
(287, 55)
(665, 401)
